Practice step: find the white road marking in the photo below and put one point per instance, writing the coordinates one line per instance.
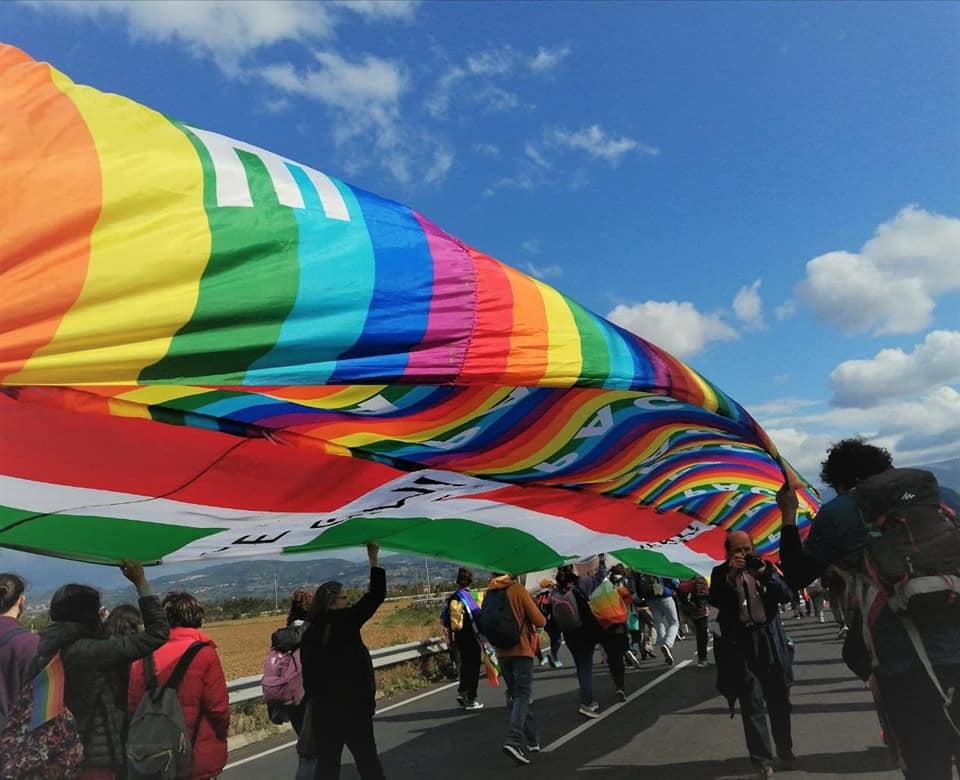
(610, 710)
(290, 744)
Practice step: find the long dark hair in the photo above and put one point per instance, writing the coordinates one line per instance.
(123, 620)
(300, 605)
(323, 599)
(75, 603)
(12, 587)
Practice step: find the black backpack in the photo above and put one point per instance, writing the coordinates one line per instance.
(158, 746)
(912, 551)
(497, 621)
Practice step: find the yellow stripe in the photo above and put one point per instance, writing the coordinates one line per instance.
(564, 357)
(150, 395)
(148, 249)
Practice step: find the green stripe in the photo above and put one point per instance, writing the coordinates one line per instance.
(650, 562)
(593, 347)
(94, 539)
(464, 541)
(242, 303)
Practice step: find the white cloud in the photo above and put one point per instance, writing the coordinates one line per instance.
(548, 59)
(223, 29)
(442, 161)
(785, 310)
(594, 141)
(534, 154)
(748, 306)
(890, 286)
(675, 326)
(803, 449)
(493, 99)
(531, 245)
(544, 272)
(893, 373)
(487, 149)
(381, 9)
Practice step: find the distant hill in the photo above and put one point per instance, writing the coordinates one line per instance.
(947, 472)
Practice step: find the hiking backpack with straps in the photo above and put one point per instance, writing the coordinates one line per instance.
(158, 746)
(497, 621)
(282, 680)
(52, 750)
(912, 550)
(565, 609)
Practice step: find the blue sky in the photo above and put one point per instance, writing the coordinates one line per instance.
(769, 190)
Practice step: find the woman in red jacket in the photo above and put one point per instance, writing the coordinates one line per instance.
(202, 691)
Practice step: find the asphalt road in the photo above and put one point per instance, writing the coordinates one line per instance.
(674, 725)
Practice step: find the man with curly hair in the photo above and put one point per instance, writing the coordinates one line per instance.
(924, 726)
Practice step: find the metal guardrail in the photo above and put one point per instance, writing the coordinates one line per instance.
(248, 688)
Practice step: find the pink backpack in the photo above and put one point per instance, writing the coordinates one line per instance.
(283, 677)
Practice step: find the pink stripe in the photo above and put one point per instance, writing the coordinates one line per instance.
(452, 309)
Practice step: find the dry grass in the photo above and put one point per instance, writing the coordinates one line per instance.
(243, 644)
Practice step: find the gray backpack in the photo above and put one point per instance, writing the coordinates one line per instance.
(158, 747)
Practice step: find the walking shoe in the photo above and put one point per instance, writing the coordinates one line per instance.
(533, 748)
(621, 696)
(588, 711)
(788, 761)
(632, 658)
(667, 655)
(516, 754)
(843, 633)
(764, 772)
(460, 700)
(556, 663)
(648, 654)
(821, 619)
(701, 664)
(473, 705)
(544, 661)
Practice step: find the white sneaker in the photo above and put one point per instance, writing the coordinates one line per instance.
(701, 664)
(667, 655)
(544, 661)
(621, 696)
(632, 658)
(473, 705)
(516, 754)
(588, 711)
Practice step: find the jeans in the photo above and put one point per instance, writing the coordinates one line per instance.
(914, 710)
(583, 658)
(469, 649)
(665, 618)
(762, 695)
(306, 767)
(700, 626)
(554, 633)
(517, 673)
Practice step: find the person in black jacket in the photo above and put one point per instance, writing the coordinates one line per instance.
(93, 664)
(754, 657)
(338, 675)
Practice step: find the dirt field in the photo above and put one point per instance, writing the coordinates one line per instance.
(243, 644)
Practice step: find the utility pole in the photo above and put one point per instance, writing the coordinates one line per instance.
(426, 563)
(276, 595)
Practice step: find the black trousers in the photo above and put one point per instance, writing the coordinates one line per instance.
(764, 693)
(913, 708)
(356, 732)
(469, 649)
(614, 646)
(700, 624)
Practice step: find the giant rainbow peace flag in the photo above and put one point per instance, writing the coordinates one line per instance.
(210, 350)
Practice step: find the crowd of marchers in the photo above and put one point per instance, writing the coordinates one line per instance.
(139, 692)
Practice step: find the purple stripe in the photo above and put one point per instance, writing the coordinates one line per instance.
(452, 309)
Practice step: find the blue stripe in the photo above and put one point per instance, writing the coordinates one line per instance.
(403, 292)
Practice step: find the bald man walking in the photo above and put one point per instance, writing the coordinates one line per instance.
(755, 661)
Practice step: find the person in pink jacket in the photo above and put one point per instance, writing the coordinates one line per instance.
(202, 691)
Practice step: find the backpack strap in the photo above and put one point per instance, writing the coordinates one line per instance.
(921, 651)
(185, 660)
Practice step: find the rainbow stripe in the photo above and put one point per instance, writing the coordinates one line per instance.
(48, 693)
(184, 277)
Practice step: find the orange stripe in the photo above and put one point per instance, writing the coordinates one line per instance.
(489, 347)
(50, 202)
(527, 363)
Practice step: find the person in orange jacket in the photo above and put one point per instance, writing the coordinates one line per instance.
(516, 668)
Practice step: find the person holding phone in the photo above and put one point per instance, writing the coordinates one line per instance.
(754, 656)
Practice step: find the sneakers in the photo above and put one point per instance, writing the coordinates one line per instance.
(589, 710)
(621, 696)
(645, 654)
(701, 664)
(473, 705)
(632, 658)
(764, 772)
(533, 748)
(667, 655)
(820, 619)
(843, 633)
(460, 700)
(544, 661)
(556, 663)
(516, 754)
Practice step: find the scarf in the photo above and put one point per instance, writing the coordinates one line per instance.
(752, 612)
